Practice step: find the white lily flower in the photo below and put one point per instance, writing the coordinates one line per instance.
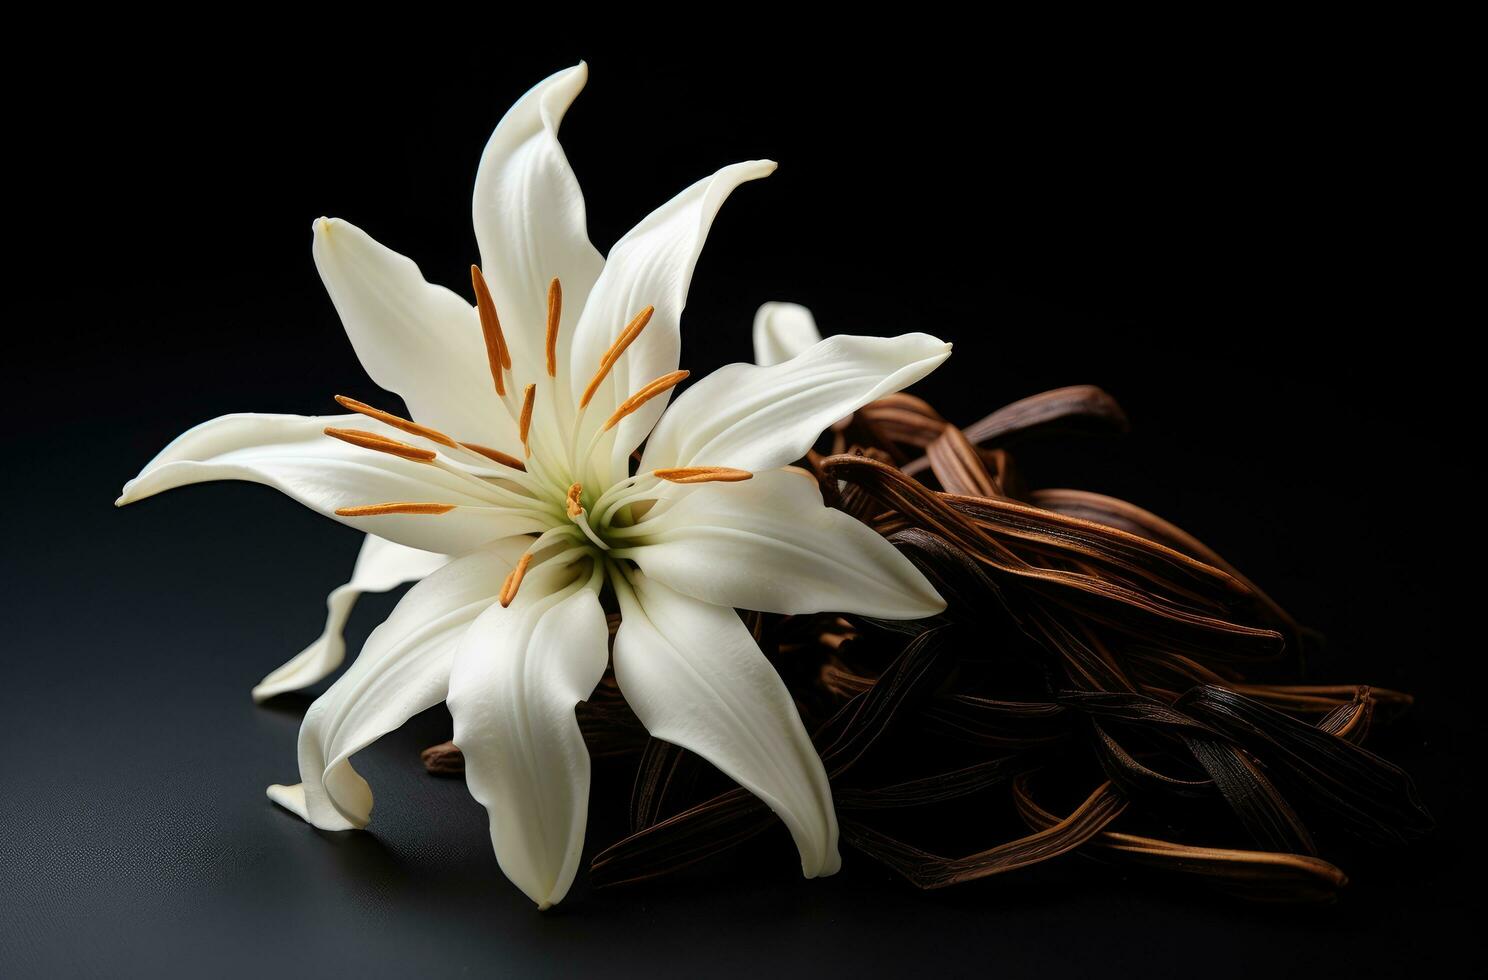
(551, 381)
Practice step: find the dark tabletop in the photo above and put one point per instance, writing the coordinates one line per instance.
(1241, 269)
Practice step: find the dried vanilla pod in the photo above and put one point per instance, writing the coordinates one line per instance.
(1087, 645)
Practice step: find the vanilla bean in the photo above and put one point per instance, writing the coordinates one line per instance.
(1079, 408)
(930, 871)
(444, 759)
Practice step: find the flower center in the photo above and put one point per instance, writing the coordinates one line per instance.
(545, 484)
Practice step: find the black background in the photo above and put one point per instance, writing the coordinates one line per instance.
(1244, 234)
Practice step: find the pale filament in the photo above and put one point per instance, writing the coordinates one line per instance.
(639, 488)
(606, 364)
(647, 392)
(634, 494)
(378, 443)
(642, 486)
(372, 440)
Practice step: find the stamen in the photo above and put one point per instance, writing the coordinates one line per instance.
(626, 338)
(662, 384)
(397, 422)
(525, 422)
(396, 507)
(382, 444)
(495, 455)
(702, 474)
(574, 507)
(497, 354)
(514, 580)
(555, 314)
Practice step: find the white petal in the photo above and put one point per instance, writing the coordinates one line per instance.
(421, 341)
(293, 454)
(403, 669)
(517, 677)
(759, 418)
(781, 331)
(380, 566)
(530, 223)
(770, 544)
(696, 678)
(650, 266)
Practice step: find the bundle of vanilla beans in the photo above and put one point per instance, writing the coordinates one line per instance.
(1093, 687)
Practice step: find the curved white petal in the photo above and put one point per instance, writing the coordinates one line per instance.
(695, 677)
(651, 266)
(380, 566)
(759, 418)
(517, 676)
(769, 543)
(781, 331)
(420, 341)
(403, 669)
(293, 454)
(530, 223)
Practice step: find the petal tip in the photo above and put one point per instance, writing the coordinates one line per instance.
(833, 863)
(292, 798)
(757, 169)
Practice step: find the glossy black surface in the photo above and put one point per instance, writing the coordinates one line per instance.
(1234, 242)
